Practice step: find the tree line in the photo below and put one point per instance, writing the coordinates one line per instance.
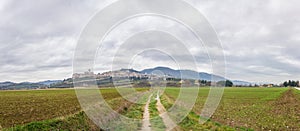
(291, 83)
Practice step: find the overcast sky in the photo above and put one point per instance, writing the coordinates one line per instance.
(261, 38)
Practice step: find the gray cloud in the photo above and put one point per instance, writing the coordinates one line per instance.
(39, 37)
(260, 38)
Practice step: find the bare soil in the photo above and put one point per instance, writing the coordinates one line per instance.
(146, 117)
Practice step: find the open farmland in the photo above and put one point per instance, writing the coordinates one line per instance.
(21, 107)
(239, 109)
(248, 108)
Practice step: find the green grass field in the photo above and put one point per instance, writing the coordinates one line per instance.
(239, 109)
(250, 108)
(20, 107)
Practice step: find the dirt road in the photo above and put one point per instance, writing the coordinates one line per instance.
(146, 117)
(170, 125)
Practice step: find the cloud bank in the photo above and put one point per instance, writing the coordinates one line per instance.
(260, 38)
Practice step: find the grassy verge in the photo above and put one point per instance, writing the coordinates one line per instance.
(191, 122)
(156, 121)
(297, 93)
(136, 112)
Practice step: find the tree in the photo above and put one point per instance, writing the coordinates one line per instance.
(229, 83)
(285, 84)
(291, 83)
(226, 83)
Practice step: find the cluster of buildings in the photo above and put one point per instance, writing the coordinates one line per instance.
(88, 73)
(123, 73)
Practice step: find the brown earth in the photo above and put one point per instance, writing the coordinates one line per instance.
(288, 106)
(287, 101)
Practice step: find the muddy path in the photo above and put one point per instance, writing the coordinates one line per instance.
(146, 116)
(168, 122)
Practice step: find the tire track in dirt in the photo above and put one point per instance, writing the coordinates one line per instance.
(287, 99)
(169, 124)
(288, 105)
(146, 117)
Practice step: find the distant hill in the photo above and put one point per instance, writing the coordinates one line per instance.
(26, 85)
(68, 83)
(185, 74)
(129, 70)
(242, 83)
(23, 85)
(7, 83)
(49, 82)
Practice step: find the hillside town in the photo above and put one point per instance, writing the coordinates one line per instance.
(123, 73)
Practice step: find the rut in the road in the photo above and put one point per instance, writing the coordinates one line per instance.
(287, 105)
(146, 117)
(169, 124)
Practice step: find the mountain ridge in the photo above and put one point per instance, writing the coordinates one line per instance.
(160, 70)
(184, 73)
